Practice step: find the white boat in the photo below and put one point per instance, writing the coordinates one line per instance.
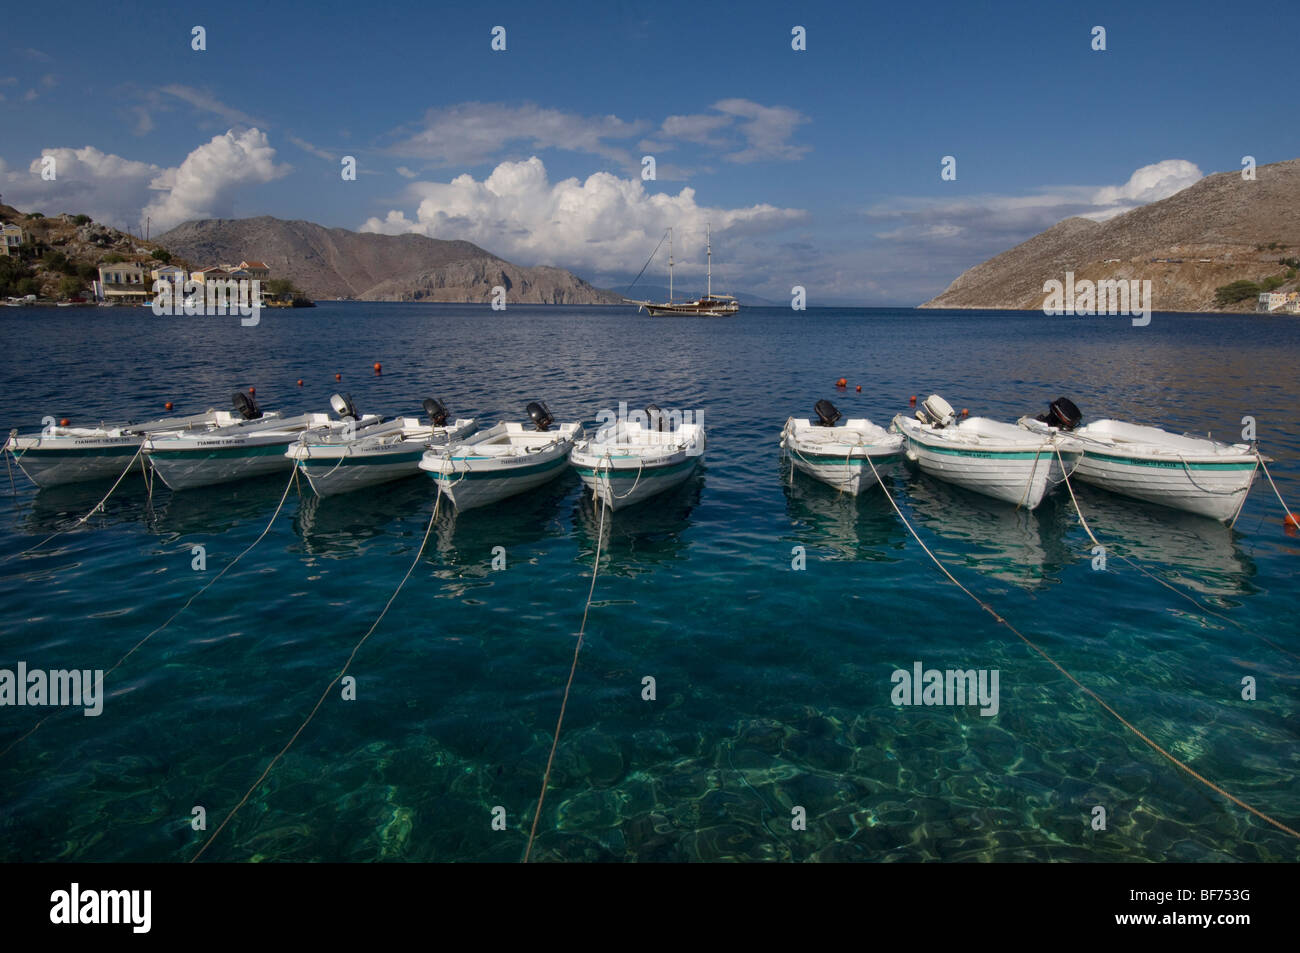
(59, 455)
(839, 455)
(502, 461)
(1196, 474)
(710, 305)
(637, 457)
(1000, 460)
(337, 462)
(252, 447)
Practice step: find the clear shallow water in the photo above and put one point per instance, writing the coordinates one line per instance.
(773, 685)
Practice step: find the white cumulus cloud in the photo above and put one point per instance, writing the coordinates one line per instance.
(203, 186)
(602, 222)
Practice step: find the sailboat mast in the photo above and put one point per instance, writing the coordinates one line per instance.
(670, 265)
(708, 241)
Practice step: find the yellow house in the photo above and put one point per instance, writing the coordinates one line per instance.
(11, 236)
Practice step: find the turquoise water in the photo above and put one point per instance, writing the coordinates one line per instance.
(773, 685)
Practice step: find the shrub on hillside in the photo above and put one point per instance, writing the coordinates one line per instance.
(1236, 291)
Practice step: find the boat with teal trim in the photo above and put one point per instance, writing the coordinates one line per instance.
(504, 460)
(1001, 460)
(841, 456)
(252, 447)
(339, 461)
(59, 455)
(1195, 474)
(636, 457)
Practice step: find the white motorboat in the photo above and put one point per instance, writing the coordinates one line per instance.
(639, 456)
(59, 455)
(251, 447)
(1195, 474)
(1000, 460)
(337, 461)
(502, 461)
(839, 455)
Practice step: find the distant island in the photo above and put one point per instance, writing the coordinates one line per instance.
(1216, 246)
(331, 263)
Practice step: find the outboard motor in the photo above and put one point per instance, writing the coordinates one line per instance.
(656, 417)
(344, 407)
(1061, 414)
(436, 411)
(246, 406)
(540, 415)
(826, 413)
(936, 412)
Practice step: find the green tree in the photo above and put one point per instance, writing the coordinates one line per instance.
(1272, 283)
(87, 272)
(281, 288)
(82, 219)
(162, 255)
(70, 287)
(1236, 291)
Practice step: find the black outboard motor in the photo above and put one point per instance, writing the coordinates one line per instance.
(826, 413)
(656, 417)
(540, 415)
(245, 406)
(1061, 414)
(344, 407)
(436, 411)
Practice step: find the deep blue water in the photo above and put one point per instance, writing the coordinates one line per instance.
(773, 685)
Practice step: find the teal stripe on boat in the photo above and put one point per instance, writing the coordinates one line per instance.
(842, 461)
(499, 474)
(1045, 453)
(222, 453)
(328, 463)
(126, 450)
(1169, 464)
(632, 474)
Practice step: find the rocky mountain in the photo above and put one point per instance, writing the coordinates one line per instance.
(335, 262)
(1220, 230)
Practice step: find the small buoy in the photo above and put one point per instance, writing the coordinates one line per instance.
(167, 406)
(379, 368)
(252, 390)
(965, 412)
(841, 383)
(912, 400)
(63, 422)
(338, 377)
(859, 388)
(1292, 519)
(300, 382)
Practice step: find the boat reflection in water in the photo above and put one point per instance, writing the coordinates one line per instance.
(641, 537)
(58, 508)
(347, 524)
(861, 527)
(1195, 552)
(1022, 547)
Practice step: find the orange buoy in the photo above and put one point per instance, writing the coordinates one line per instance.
(912, 400)
(338, 377)
(167, 406)
(965, 412)
(379, 368)
(252, 390)
(859, 388)
(841, 383)
(300, 382)
(63, 422)
(1292, 520)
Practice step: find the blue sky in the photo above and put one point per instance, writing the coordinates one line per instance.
(819, 167)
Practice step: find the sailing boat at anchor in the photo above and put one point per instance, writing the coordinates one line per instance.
(710, 305)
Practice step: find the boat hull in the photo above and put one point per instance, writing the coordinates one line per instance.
(1213, 488)
(838, 456)
(183, 469)
(332, 475)
(853, 475)
(1017, 474)
(58, 463)
(469, 488)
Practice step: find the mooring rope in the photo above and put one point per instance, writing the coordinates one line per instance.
(330, 687)
(97, 507)
(206, 587)
(1084, 688)
(564, 704)
(1259, 460)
